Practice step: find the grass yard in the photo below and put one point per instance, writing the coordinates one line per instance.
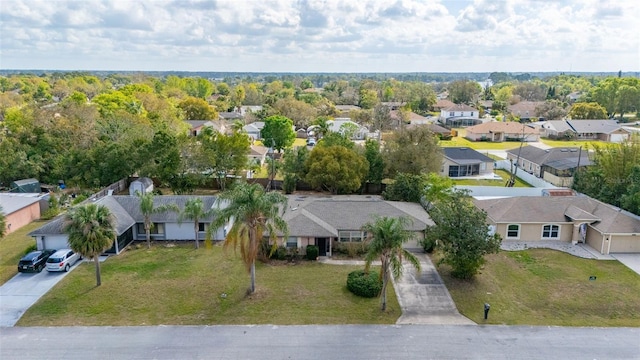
(183, 286)
(488, 182)
(460, 141)
(13, 247)
(546, 287)
(586, 144)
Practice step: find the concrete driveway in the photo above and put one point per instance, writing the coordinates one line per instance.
(424, 298)
(632, 261)
(23, 290)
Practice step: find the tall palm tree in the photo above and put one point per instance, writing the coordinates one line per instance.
(194, 210)
(387, 237)
(255, 213)
(91, 230)
(147, 209)
(3, 223)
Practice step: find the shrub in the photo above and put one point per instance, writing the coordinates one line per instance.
(32, 247)
(364, 284)
(280, 253)
(289, 184)
(352, 250)
(427, 245)
(312, 252)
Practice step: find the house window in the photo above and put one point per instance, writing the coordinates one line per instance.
(292, 242)
(202, 227)
(156, 229)
(452, 113)
(472, 113)
(351, 236)
(513, 231)
(550, 231)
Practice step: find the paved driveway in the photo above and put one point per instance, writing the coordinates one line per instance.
(23, 290)
(632, 261)
(424, 298)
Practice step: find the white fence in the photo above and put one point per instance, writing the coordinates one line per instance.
(525, 176)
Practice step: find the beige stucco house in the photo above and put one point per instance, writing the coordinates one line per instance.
(498, 131)
(571, 219)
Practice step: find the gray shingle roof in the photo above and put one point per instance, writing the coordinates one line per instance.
(465, 155)
(594, 126)
(325, 216)
(550, 209)
(558, 158)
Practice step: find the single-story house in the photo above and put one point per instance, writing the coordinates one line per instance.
(460, 115)
(498, 131)
(230, 116)
(525, 110)
(571, 219)
(339, 124)
(442, 132)
(258, 154)
(412, 118)
(253, 130)
(555, 165)
(464, 161)
(197, 126)
(393, 105)
(130, 223)
(330, 221)
(248, 109)
(20, 209)
(345, 110)
(554, 129)
(605, 130)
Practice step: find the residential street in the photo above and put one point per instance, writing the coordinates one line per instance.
(320, 342)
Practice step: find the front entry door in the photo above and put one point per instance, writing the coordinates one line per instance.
(322, 246)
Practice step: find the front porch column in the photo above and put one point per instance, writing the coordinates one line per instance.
(575, 237)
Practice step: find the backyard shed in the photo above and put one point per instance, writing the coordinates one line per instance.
(142, 185)
(25, 186)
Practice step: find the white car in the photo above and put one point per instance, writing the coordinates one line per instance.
(62, 260)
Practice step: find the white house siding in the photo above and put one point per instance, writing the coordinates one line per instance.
(617, 138)
(184, 231)
(52, 242)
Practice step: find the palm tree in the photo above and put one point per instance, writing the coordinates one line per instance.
(91, 230)
(193, 210)
(387, 237)
(255, 213)
(147, 209)
(3, 223)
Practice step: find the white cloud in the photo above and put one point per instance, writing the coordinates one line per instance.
(321, 35)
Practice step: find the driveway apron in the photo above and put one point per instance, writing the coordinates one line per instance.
(23, 290)
(424, 298)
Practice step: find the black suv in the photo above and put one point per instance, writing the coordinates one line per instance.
(34, 261)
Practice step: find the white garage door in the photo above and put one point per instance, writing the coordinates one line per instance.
(55, 242)
(618, 137)
(627, 244)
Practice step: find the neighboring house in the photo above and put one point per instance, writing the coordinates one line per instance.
(497, 131)
(443, 104)
(525, 110)
(392, 105)
(555, 165)
(230, 116)
(302, 133)
(442, 95)
(412, 118)
(258, 154)
(328, 222)
(464, 162)
(25, 186)
(20, 209)
(197, 126)
(248, 109)
(253, 130)
(487, 105)
(130, 223)
(442, 132)
(573, 97)
(143, 185)
(337, 124)
(570, 219)
(604, 130)
(554, 129)
(460, 115)
(344, 110)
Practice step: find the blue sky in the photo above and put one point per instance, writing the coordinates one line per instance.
(321, 35)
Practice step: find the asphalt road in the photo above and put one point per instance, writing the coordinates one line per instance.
(320, 342)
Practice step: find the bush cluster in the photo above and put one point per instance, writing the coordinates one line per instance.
(364, 284)
(312, 252)
(352, 250)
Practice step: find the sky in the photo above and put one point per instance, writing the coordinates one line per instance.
(321, 35)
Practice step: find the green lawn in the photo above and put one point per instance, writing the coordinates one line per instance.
(183, 286)
(487, 182)
(560, 143)
(460, 141)
(546, 287)
(13, 247)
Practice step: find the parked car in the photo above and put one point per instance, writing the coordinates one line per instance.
(311, 141)
(34, 261)
(62, 260)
